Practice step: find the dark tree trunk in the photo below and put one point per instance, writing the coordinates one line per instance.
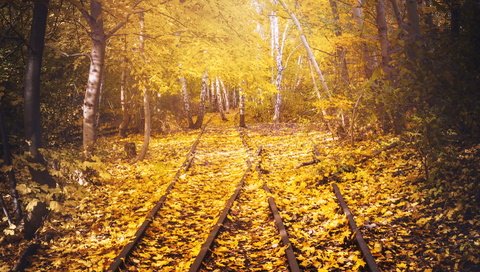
(32, 77)
(455, 16)
(413, 29)
(341, 52)
(429, 15)
(383, 37)
(398, 15)
(7, 160)
(369, 62)
(32, 112)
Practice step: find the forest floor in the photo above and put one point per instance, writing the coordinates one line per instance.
(410, 224)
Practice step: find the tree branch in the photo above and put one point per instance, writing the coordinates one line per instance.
(124, 22)
(90, 20)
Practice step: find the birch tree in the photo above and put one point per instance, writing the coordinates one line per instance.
(308, 49)
(277, 55)
(186, 101)
(242, 108)
(203, 101)
(219, 99)
(94, 16)
(146, 93)
(122, 130)
(225, 96)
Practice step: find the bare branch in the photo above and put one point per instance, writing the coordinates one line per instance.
(124, 22)
(83, 11)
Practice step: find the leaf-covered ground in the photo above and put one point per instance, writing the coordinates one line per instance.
(98, 218)
(310, 211)
(174, 240)
(410, 224)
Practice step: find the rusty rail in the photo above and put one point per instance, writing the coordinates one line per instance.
(119, 261)
(367, 255)
(197, 264)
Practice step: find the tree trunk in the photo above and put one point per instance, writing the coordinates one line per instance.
(398, 15)
(203, 100)
(341, 52)
(455, 16)
(310, 54)
(234, 98)
(146, 95)
(208, 96)
(413, 29)
(32, 114)
(220, 100)
(429, 15)
(90, 102)
(319, 96)
(186, 102)
(7, 160)
(369, 63)
(32, 78)
(213, 96)
(225, 96)
(383, 37)
(242, 109)
(122, 130)
(277, 55)
(100, 98)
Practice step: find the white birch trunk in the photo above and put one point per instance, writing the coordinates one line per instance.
(225, 96)
(305, 43)
(242, 108)
(277, 55)
(234, 98)
(219, 99)
(146, 95)
(122, 130)
(203, 101)
(186, 101)
(213, 96)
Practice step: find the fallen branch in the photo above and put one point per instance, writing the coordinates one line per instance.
(316, 154)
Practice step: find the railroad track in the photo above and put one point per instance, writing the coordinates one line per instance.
(223, 236)
(304, 196)
(119, 262)
(188, 211)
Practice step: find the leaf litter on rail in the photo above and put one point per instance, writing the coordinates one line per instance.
(194, 204)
